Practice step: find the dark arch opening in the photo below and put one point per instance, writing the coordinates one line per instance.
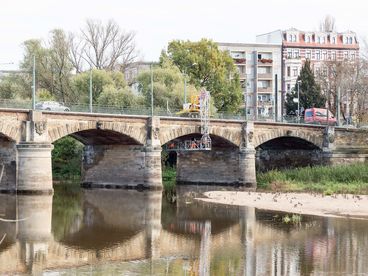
(67, 155)
(169, 158)
(287, 152)
(218, 166)
(103, 137)
(8, 156)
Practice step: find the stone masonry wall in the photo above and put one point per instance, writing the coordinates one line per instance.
(282, 159)
(7, 164)
(218, 166)
(113, 165)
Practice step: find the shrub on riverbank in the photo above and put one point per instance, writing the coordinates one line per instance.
(169, 181)
(338, 179)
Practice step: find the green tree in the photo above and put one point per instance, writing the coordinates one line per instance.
(67, 158)
(53, 66)
(207, 66)
(122, 97)
(101, 79)
(168, 86)
(309, 91)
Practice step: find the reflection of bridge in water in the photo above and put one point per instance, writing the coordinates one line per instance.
(119, 226)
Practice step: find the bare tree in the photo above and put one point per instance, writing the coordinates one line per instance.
(327, 24)
(76, 50)
(351, 76)
(102, 46)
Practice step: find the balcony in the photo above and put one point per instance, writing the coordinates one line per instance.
(265, 89)
(266, 76)
(264, 103)
(239, 60)
(265, 61)
(242, 76)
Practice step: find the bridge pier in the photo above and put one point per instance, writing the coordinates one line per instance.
(34, 170)
(153, 170)
(247, 157)
(247, 168)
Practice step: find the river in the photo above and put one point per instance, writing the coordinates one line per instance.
(126, 232)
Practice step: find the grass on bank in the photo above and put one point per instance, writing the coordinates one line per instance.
(328, 180)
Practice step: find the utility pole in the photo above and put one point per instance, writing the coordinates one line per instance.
(151, 91)
(338, 106)
(328, 104)
(299, 101)
(34, 83)
(90, 91)
(185, 86)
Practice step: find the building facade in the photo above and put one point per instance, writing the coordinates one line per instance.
(259, 67)
(318, 47)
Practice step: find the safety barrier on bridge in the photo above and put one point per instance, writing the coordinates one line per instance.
(164, 112)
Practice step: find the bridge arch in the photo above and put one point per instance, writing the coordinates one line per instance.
(137, 134)
(182, 131)
(11, 131)
(262, 138)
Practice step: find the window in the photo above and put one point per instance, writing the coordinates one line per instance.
(295, 71)
(308, 54)
(290, 38)
(289, 54)
(318, 55)
(324, 55)
(307, 38)
(333, 41)
(350, 40)
(296, 53)
(346, 55)
(288, 71)
(309, 114)
(288, 87)
(322, 39)
(353, 56)
(333, 55)
(319, 39)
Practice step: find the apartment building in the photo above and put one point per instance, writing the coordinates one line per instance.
(318, 47)
(259, 65)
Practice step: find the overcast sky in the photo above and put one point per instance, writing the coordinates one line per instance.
(156, 22)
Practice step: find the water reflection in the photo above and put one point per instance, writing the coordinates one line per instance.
(131, 232)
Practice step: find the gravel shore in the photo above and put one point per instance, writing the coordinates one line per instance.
(341, 205)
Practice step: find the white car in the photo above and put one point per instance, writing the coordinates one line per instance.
(51, 105)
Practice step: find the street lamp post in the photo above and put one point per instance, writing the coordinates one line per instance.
(299, 81)
(151, 91)
(90, 90)
(185, 86)
(185, 81)
(34, 84)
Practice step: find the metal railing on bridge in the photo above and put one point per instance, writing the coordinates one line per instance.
(163, 112)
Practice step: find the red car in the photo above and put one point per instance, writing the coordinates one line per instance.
(319, 116)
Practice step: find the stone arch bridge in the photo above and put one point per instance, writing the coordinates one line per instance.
(125, 151)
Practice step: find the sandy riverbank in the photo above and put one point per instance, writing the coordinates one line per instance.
(301, 203)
